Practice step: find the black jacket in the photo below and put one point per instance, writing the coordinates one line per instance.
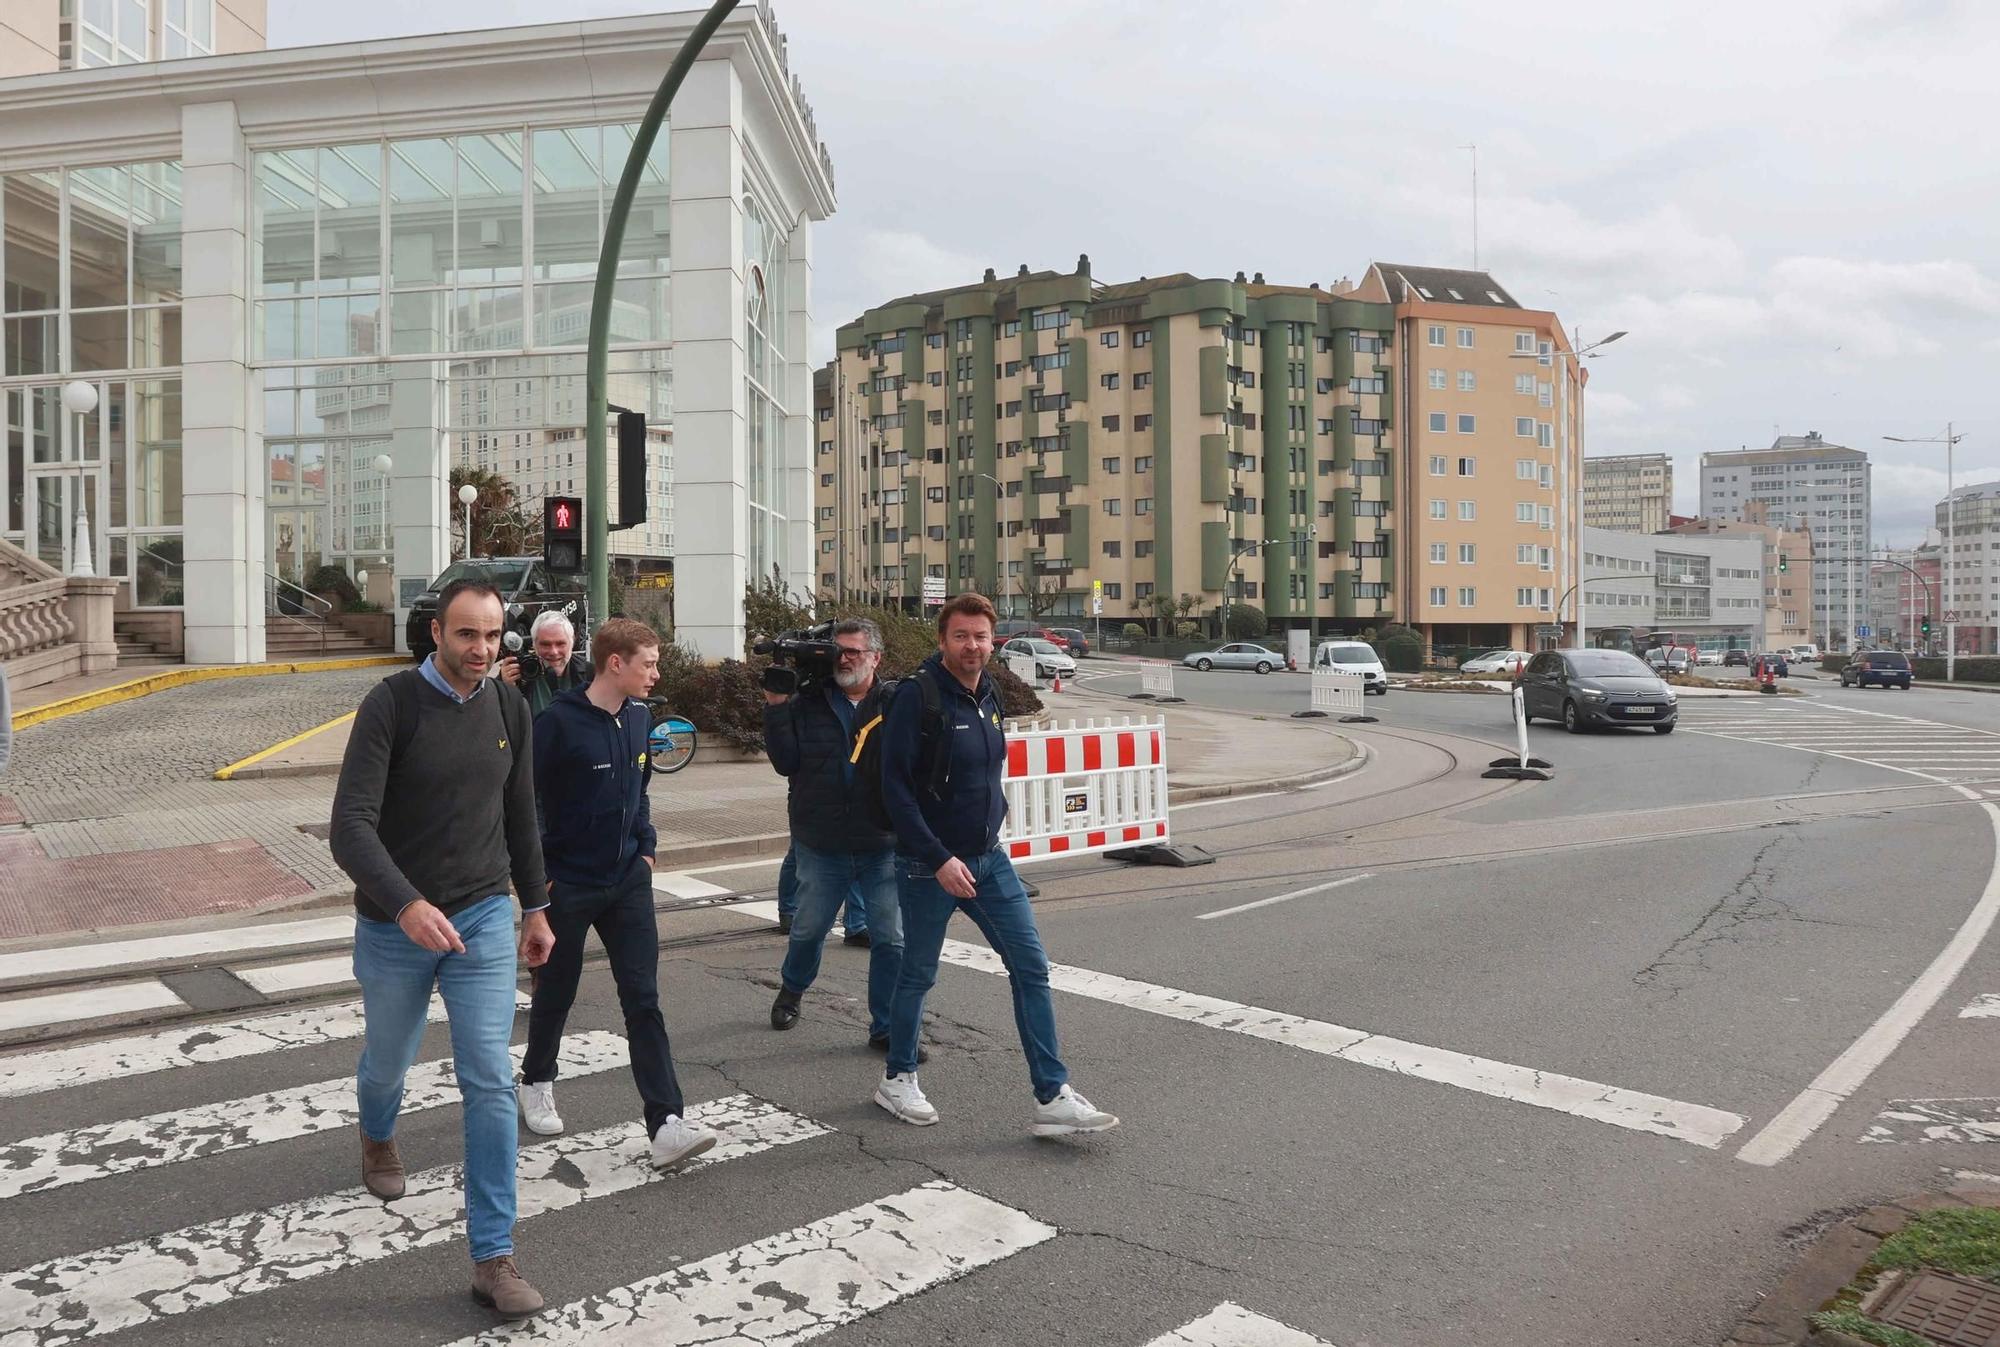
(964, 819)
(808, 743)
(543, 689)
(590, 780)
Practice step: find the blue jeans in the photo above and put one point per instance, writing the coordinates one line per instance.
(826, 879)
(396, 976)
(856, 917)
(999, 908)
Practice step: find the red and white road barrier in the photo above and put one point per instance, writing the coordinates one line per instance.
(1076, 789)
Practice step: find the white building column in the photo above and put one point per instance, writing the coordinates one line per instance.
(795, 457)
(711, 496)
(221, 399)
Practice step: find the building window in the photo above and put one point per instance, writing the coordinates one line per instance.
(1108, 337)
(1467, 423)
(187, 28)
(1113, 506)
(1438, 596)
(1439, 422)
(1524, 426)
(1114, 590)
(1468, 596)
(1435, 334)
(1468, 510)
(1371, 589)
(1466, 466)
(1142, 589)
(1113, 465)
(1524, 512)
(1143, 337)
(1323, 385)
(1142, 379)
(826, 479)
(1438, 509)
(1437, 380)
(1524, 384)
(1524, 343)
(1438, 551)
(1143, 505)
(1142, 423)
(1142, 463)
(1113, 549)
(1465, 339)
(1045, 320)
(1365, 384)
(1468, 554)
(1143, 548)
(934, 340)
(1107, 381)
(1524, 469)
(1545, 435)
(1468, 381)
(1109, 422)
(1524, 554)
(1525, 596)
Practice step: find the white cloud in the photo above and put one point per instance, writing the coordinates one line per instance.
(1879, 310)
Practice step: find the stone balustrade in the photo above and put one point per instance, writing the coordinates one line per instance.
(52, 626)
(34, 618)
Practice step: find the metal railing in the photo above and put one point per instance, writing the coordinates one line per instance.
(170, 578)
(279, 592)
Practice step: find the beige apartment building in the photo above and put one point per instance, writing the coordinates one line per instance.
(40, 36)
(1788, 570)
(1064, 444)
(1628, 493)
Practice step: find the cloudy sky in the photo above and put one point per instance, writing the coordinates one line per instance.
(1793, 207)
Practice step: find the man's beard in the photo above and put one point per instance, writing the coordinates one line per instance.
(847, 680)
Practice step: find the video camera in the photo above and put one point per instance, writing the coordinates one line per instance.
(799, 659)
(523, 654)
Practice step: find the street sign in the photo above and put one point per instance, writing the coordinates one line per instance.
(1861, 630)
(1097, 598)
(1951, 616)
(933, 591)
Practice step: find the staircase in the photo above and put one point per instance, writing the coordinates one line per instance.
(135, 649)
(311, 636)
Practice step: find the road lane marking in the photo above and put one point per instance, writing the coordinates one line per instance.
(1925, 1120)
(1281, 898)
(31, 1073)
(1844, 1075)
(94, 1003)
(177, 949)
(84, 1154)
(1230, 1325)
(795, 1286)
(293, 977)
(679, 884)
(1694, 1123)
(121, 1286)
(1985, 1006)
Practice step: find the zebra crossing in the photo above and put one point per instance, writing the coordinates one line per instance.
(1926, 1121)
(1922, 748)
(787, 1286)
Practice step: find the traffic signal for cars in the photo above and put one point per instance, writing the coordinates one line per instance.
(631, 470)
(1783, 563)
(562, 534)
(1925, 628)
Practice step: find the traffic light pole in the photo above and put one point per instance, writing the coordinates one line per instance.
(596, 474)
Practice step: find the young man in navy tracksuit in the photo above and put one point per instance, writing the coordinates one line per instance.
(947, 815)
(598, 842)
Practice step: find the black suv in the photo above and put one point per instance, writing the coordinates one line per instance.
(527, 589)
(1885, 668)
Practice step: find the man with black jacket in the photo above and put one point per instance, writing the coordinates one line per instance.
(434, 812)
(814, 740)
(944, 756)
(559, 667)
(590, 772)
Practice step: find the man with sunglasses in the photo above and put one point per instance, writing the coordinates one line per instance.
(814, 738)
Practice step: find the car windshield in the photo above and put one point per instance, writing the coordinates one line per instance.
(1041, 647)
(1361, 654)
(1607, 664)
(505, 576)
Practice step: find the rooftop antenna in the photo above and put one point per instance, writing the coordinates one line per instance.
(1475, 203)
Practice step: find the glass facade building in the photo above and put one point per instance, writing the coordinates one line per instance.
(305, 293)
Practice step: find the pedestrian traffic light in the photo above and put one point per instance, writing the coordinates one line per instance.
(562, 534)
(1925, 628)
(631, 470)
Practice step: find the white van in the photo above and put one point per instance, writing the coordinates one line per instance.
(1806, 654)
(1354, 657)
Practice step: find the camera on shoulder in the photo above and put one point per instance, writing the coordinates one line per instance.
(799, 659)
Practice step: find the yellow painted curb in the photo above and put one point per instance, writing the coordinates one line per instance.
(173, 678)
(225, 773)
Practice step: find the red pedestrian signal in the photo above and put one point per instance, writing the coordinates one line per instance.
(562, 534)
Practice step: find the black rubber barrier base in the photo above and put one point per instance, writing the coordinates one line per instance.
(1163, 853)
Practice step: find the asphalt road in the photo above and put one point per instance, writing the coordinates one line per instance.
(1486, 1071)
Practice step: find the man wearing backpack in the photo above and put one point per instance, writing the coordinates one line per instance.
(944, 754)
(818, 740)
(434, 812)
(590, 772)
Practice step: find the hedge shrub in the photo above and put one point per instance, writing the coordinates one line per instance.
(1402, 652)
(1971, 668)
(1832, 664)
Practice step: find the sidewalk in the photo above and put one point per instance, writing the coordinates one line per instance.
(113, 817)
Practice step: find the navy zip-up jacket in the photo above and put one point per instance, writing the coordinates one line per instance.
(812, 741)
(590, 779)
(964, 819)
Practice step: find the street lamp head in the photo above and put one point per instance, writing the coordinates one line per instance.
(383, 463)
(79, 398)
(468, 494)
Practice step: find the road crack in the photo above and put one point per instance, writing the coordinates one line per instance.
(1749, 902)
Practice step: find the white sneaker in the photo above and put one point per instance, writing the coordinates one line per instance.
(900, 1095)
(1070, 1112)
(677, 1141)
(538, 1108)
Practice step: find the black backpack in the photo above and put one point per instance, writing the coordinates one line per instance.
(932, 760)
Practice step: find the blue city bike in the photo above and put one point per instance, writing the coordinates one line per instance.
(671, 741)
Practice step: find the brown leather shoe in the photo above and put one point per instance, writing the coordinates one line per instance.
(381, 1168)
(498, 1284)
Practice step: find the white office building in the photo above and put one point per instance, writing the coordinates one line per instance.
(1826, 485)
(1641, 589)
(305, 282)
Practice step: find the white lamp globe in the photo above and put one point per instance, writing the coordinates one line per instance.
(383, 463)
(79, 398)
(468, 494)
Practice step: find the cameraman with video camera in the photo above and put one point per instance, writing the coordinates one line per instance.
(552, 668)
(821, 704)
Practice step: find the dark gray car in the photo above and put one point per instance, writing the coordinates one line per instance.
(1582, 688)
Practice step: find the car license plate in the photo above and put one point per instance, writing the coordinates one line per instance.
(1640, 710)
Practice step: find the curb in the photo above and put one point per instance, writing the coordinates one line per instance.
(246, 767)
(1782, 1318)
(174, 678)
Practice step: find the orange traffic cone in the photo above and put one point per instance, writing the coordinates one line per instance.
(1056, 685)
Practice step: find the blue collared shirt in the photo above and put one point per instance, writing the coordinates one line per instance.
(430, 673)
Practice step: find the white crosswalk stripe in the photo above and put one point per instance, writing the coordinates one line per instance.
(1900, 743)
(797, 1285)
(59, 1159)
(1230, 1325)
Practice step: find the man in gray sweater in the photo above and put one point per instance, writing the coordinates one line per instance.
(434, 813)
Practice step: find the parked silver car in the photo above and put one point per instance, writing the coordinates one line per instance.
(1236, 655)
